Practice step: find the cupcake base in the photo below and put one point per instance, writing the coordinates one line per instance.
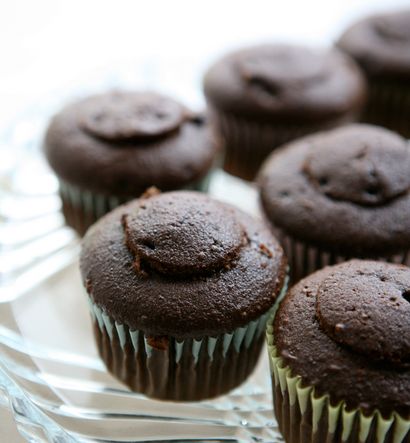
(159, 376)
(82, 208)
(389, 105)
(185, 370)
(304, 417)
(248, 143)
(304, 259)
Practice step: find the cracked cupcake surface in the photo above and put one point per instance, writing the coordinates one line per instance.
(344, 192)
(181, 267)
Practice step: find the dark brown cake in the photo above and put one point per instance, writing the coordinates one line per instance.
(264, 96)
(343, 336)
(381, 46)
(109, 148)
(339, 194)
(180, 287)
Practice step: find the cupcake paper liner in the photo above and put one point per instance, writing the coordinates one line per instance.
(247, 143)
(82, 208)
(304, 417)
(389, 106)
(167, 368)
(305, 259)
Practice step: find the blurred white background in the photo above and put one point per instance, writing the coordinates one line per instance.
(50, 47)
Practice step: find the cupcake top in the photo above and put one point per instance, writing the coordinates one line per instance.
(123, 142)
(181, 264)
(346, 330)
(285, 82)
(346, 190)
(380, 44)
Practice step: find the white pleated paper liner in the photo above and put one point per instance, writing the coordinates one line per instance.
(82, 208)
(304, 417)
(248, 142)
(240, 337)
(304, 259)
(182, 370)
(389, 105)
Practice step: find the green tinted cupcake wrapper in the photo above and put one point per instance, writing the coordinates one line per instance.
(389, 105)
(305, 417)
(305, 259)
(248, 143)
(95, 203)
(82, 207)
(240, 337)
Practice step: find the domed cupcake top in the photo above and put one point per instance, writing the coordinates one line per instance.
(276, 70)
(182, 264)
(367, 166)
(192, 235)
(121, 116)
(366, 308)
(345, 189)
(394, 27)
(285, 81)
(121, 142)
(380, 43)
(346, 331)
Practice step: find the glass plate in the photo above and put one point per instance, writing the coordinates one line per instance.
(51, 377)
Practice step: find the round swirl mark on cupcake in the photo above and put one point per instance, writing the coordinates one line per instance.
(274, 71)
(345, 191)
(175, 236)
(126, 116)
(345, 331)
(381, 45)
(365, 307)
(393, 27)
(285, 83)
(366, 166)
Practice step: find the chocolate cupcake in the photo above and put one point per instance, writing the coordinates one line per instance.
(264, 96)
(381, 46)
(180, 288)
(339, 348)
(339, 194)
(107, 149)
